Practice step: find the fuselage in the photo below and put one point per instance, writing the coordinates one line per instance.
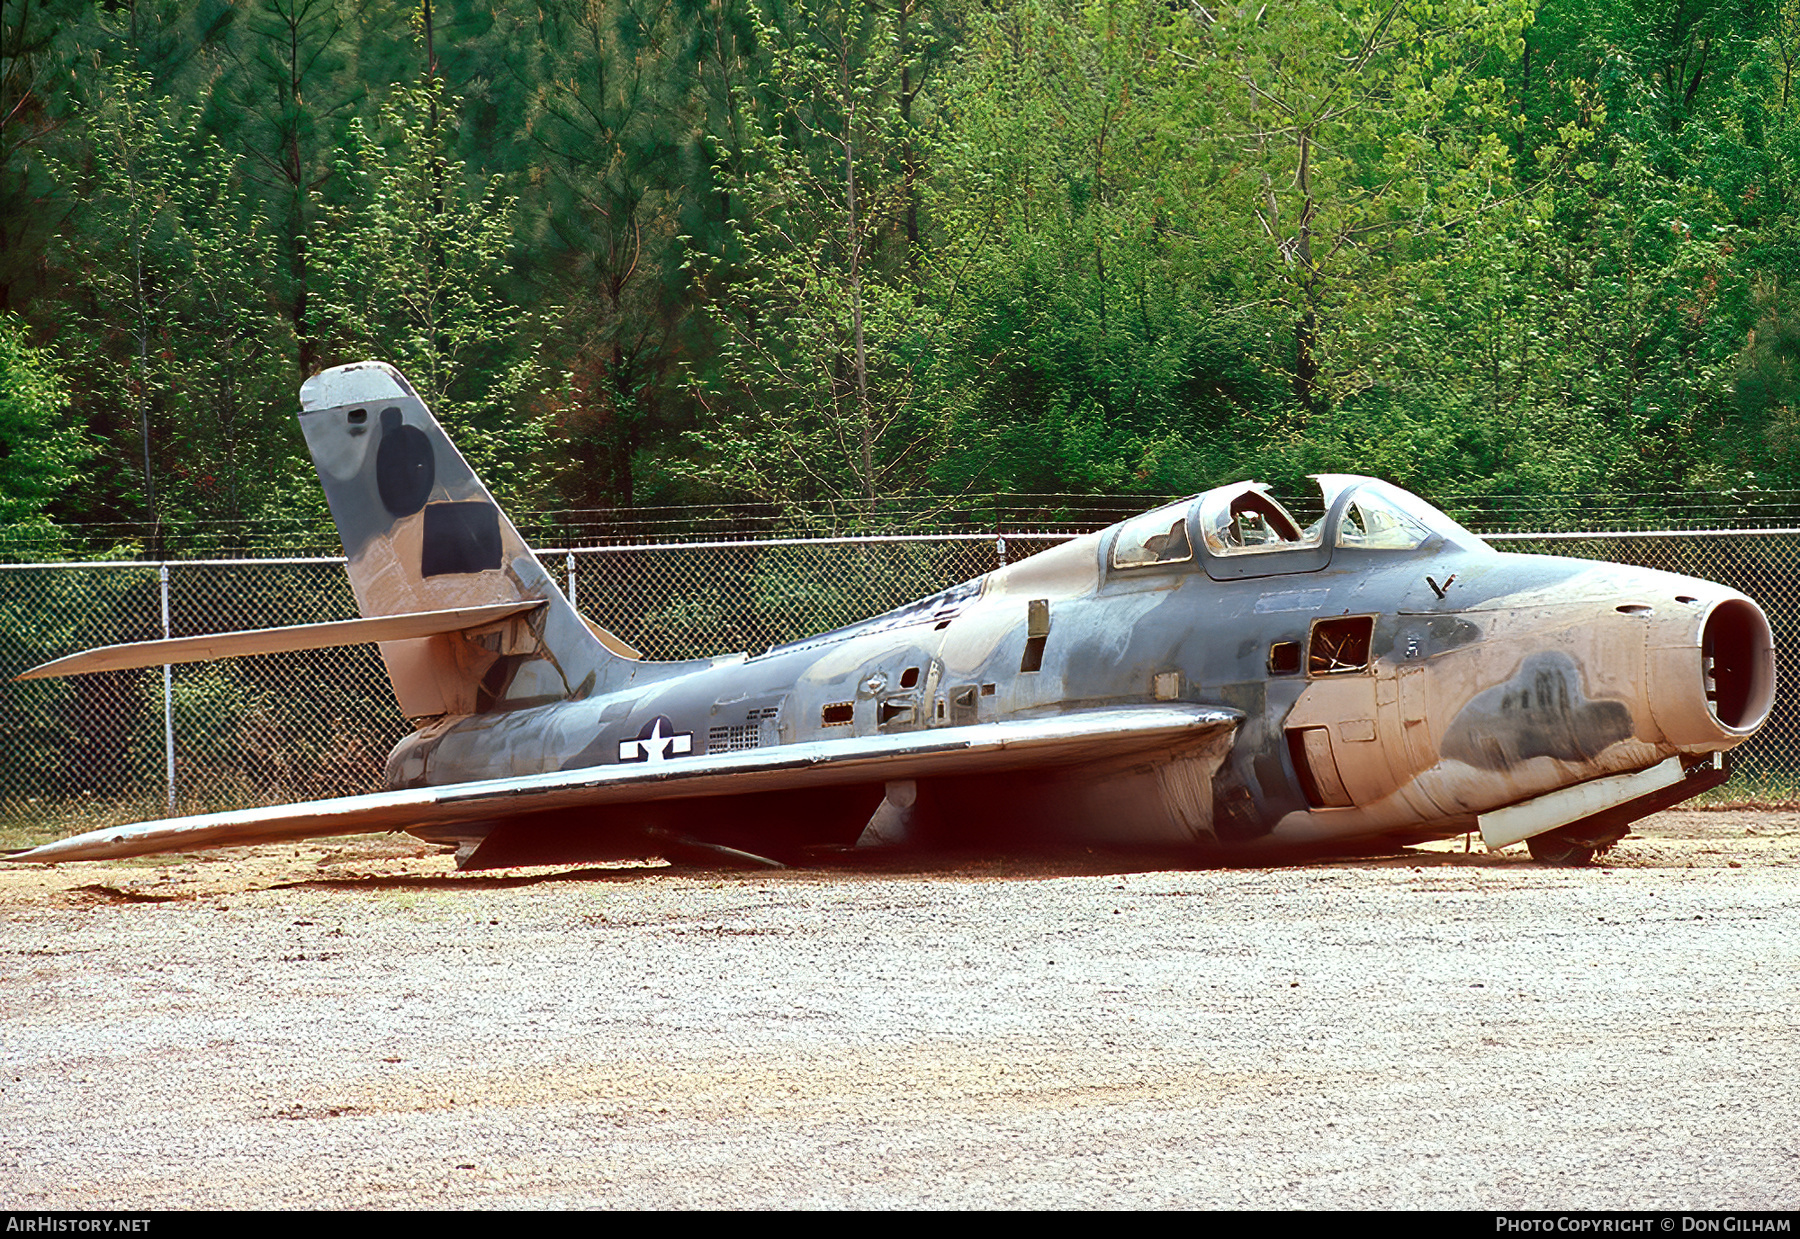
(1396, 679)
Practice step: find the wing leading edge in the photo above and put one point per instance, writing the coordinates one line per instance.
(1078, 739)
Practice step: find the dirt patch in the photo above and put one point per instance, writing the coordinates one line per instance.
(961, 1032)
(1678, 839)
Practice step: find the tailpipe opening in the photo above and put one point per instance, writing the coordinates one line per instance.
(1737, 660)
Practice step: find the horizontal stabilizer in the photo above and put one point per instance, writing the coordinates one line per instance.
(278, 640)
(1061, 740)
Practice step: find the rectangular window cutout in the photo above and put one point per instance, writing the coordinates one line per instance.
(896, 710)
(838, 713)
(987, 690)
(1340, 645)
(459, 538)
(1034, 654)
(1284, 658)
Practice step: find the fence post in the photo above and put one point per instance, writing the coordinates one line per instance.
(571, 590)
(168, 697)
(1000, 548)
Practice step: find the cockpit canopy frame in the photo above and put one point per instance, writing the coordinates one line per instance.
(1241, 530)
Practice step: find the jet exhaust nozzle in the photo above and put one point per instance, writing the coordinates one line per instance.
(1737, 658)
(1714, 684)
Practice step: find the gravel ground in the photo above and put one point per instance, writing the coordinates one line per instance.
(355, 1024)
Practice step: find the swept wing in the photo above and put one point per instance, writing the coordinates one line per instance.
(1072, 739)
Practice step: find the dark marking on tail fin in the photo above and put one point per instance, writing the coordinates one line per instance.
(460, 537)
(422, 533)
(405, 468)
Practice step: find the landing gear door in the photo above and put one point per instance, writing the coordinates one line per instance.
(1346, 725)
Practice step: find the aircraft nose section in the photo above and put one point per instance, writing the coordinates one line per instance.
(1712, 669)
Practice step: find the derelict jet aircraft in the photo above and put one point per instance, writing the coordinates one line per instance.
(1209, 676)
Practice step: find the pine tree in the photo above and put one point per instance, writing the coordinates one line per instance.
(409, 267)
(285, 90)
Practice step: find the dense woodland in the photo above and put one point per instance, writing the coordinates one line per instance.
(813, 254)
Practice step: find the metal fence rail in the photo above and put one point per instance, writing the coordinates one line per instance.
(95, 750)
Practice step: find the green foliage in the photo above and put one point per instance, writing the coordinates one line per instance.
(41, 451)
(1585, 337)
(1111, 339)
(36, 55)
(1339, 133)
(615, 127)
(408, 264)
(1767, 388)
(820, 251)
(172, 330)
(831, 344)
(285, 84)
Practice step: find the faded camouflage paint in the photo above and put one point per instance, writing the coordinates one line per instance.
(1521, 676)
(385, 475)
(1466, 720)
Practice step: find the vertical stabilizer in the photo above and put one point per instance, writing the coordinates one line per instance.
(423, 534)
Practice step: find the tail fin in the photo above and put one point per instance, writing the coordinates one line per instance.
(423, 534)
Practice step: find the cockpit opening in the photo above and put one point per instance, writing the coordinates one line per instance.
(1240, 523)
(1374, 522)
(1158, 537)
(1246, 519)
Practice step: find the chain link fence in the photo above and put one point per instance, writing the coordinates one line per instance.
(96, 750)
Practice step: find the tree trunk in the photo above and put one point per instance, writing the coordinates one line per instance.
(1306, 328)
(860, 366)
